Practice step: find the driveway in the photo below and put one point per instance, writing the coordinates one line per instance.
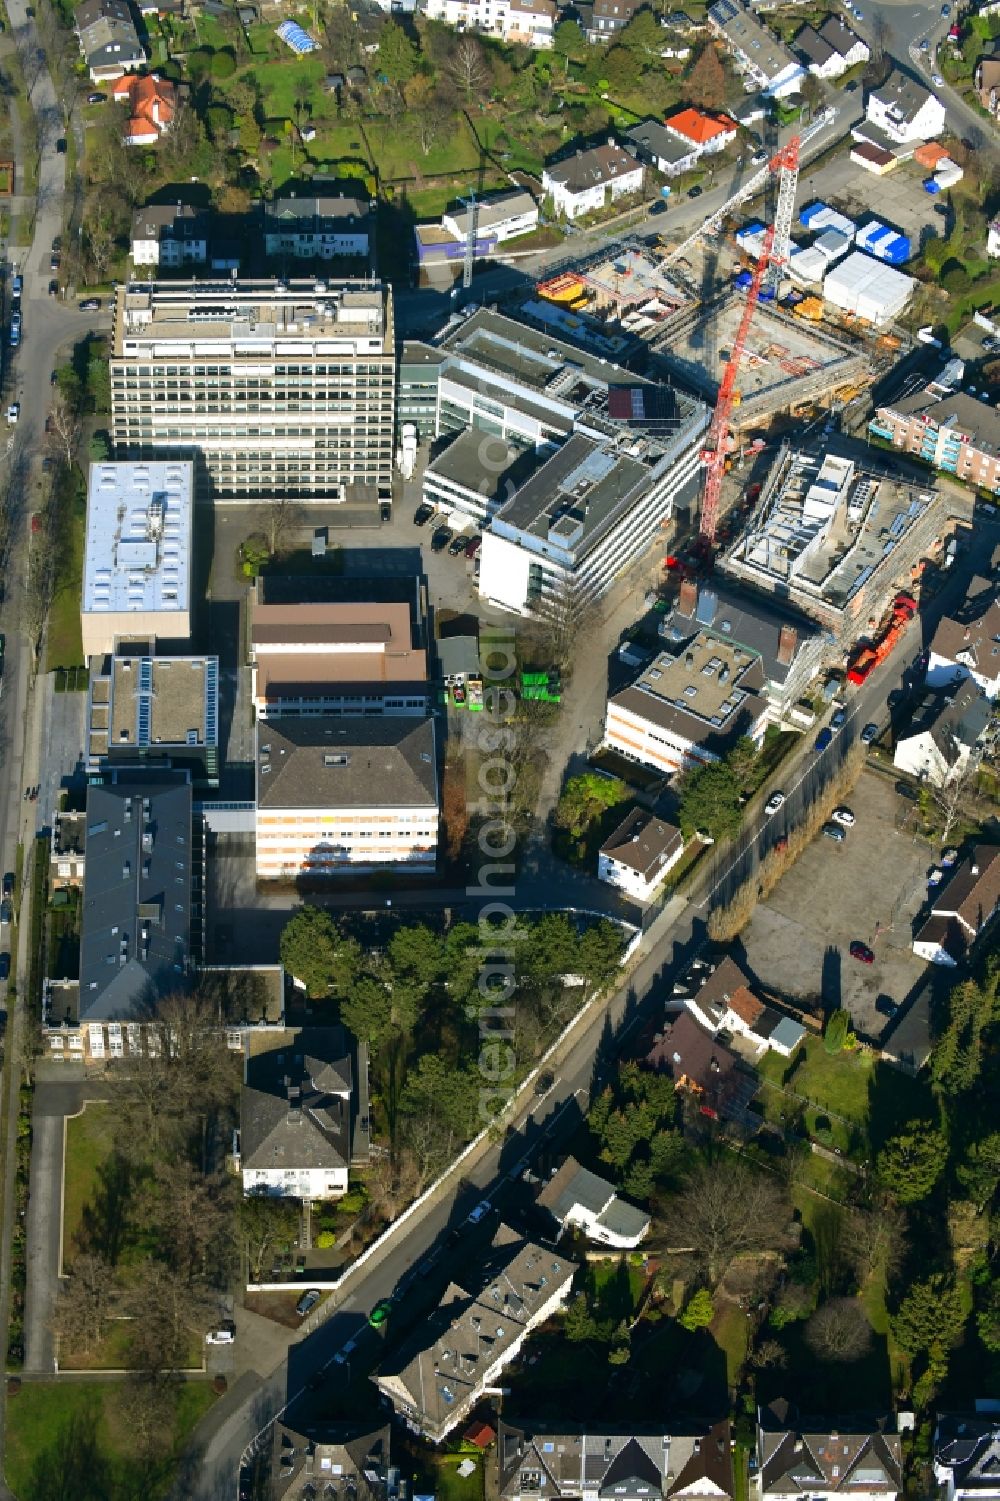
(868, 888)
(55, 1099)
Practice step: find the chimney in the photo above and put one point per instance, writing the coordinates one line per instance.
(788, 638)
(687, 600)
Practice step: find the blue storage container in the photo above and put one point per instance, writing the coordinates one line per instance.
(809, 213)
(930, 186)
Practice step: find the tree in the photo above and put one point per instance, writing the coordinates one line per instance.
(933, 1313)
(957, 796)
(835, 1033)
(988, 1319)
(437, 1089)
(911, 1163)
(706, 79)
(315, 952)
(417, 954)
(374, 1012)
(192, 1213)
(277, 519)
(710, 802)
(643, 35)
(569, 41)
(266, 1224)
(742, 758)
(957, 1059)
(397, 56)
(99, 383)
(726, 1209)
(979, 1172)
(585, 799)
(700, 1311)
(468, 68)
(64, 424)
(85, 1302)
(579, 1323)
(166, 1311)
(223, 64)
(875, 1240)
(839, 1331)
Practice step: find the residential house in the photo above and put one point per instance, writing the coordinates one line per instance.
(152, 106)
(436, 1377)
(967, 1454)
(764, 61)
(108, 39)
(961, 909)
(796, 1460)
(951, 430)
(499, 217)
(579, 1200)
(965, 644)
(321, 225)
(719, 1084)
(581, 184)
(946, 735)
(727, 1001)
(638, 855)
(987, 82)
(845, 42)
(169, 234)
(139, 914)
(874, 159)
(660, 149)
(299, 1114)
(904, 111)
(345, 794)
(689, 709)
(531, 22)
(331, 1462)
(606, 18)
(145, 708)
(707, 132)
(562, 1465)
(313, 657)
(788, 647)
(993, 238)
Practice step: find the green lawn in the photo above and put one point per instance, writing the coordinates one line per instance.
(88, 1146)
(444, 1481)
(73, 1440)
(729, 1330)
(64, 642)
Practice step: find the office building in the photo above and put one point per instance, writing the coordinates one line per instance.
(345, 794)
(137, 554)
(276, 389)
(145, 709)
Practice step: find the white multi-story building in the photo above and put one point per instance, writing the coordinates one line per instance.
(500, 216)
(167, 235)
(946, 735)
(137, 554)
(964, 644)
(689, 709)
(967, 1454)
(905, 111)
(345, 794)
(764, 61)
(638, 855)
(320, 226)
(276, 389)
(578, 1199)
(582, 183)
(295, 1115)
(529, 22)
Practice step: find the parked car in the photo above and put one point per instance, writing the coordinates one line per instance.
(54, 261)
(844, 817)
(774, 802)
(925, 45)
(224, 1335)
(905, 790)
(869, 734)
(6, 912)
(457, 545)
(823, 739)
(56, 244)
(839, 719)
(90, 305)
(422, 514)
(659, 207)
(344, 1353)
(380, 1313)
(758, 159)
(96, 98)
(4, 966)
(695, 192)
(861, 952)
(937, 80)
(61, 146)
(8, 884)
(471, 548)
(15, 329)
(441, 538)
(308, 1301)
(835, 832)
(886, 1006)
(13, 412)
(385, 510)
(544, 1083)
(53, 288)
(479, 1213)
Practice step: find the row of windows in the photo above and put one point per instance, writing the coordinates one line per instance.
(133, 372)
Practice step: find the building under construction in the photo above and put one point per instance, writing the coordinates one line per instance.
(836, 534)
(787, 363)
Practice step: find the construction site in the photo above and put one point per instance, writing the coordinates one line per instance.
(787, 362)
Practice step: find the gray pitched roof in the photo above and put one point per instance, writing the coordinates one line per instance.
(633, 1466)
(654, 138)
(968, 1446)
(332, 1462)
(346, 762)
(832, 1461)
(295, 1108)
(813, 46)
(956, 721)
(574, 1185)
(135, 927)
(318, 213)
(774, 634)
(643, 842)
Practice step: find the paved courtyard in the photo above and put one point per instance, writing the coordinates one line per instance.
(869, 888)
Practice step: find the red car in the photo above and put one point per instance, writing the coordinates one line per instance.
(862, 952)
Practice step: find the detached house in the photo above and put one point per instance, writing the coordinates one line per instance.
(661, 149)
(967, 1456)
(582, 184)
(608, 17)
(152, 105)
(727, 1002)
(580, 1200)
(543, 1462)
(948, 732)
(905, 111)
(108, 39)
(967, 644)
(167, 234)
(987, 81)
(713, 1077)
(962, 909)
(438, 1375)
(797, 1461)
(706, 132)
(639, 853)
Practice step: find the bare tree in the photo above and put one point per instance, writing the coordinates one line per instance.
(167, 1312)
(468, 67)
(266, 1225)
(147, 1405)
(728, 1208)
(277, 519)
(64, 419)
(100, 243)
(875, 1240)
(839, 1331)
(958, 794)
(193, 1215)
(562, 623)
(39, 586)
(85, 1303)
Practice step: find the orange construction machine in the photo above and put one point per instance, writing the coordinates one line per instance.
(866, 657)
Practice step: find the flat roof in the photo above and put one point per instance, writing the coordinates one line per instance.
(531, 356)
(164, 701)
(137, 555)
(707, 695)
(479, 461)
(346, 762)
(354, 640)
(577, 490)
(268, 318)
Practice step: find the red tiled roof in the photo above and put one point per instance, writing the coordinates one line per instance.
(698, 126)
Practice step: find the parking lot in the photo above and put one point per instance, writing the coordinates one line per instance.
(897, 198)
(868, 888)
